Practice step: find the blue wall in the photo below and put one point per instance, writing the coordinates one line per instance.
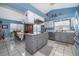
(8, 22)
(26, 6)
(78, 16)
(65, 13)
(68, 12)
(62, 13)
(78, 9)
(23, 8)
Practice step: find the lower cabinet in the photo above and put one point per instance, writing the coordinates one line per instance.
(51, 35)
(67, 37)
(30, 44)
(34, 42)
(64, 37)
(76, 45)
(76, 49)
(39, 42)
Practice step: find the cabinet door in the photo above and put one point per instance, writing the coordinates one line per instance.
(34, 43)
(28, 44)
(51, 35)
(70, 38)
(40, 41)
(63, 37)
(58, 36)
(45, 38)
(31, 44)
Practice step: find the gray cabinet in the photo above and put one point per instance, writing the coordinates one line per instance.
(67, 37)
(30, 44)
(51, 35)
(45, 38)
(39, 41)
(70, 38)
(64, 37)
(76, 38)
(34, 42)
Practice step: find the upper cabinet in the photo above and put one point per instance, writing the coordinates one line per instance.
(30, 17)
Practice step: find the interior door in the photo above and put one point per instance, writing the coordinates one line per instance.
(28, 28)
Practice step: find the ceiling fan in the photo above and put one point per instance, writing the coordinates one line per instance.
(51, 3)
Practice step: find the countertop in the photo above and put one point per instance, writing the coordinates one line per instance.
(33, 33)
(64, 31)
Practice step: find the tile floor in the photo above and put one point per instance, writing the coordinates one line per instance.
(53, 48)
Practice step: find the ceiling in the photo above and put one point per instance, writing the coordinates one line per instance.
(46, 7)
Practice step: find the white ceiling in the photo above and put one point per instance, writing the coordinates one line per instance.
(46, 7)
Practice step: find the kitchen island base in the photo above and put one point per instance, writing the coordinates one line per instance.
(35, 42)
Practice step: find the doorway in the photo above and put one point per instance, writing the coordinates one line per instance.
(28, 28)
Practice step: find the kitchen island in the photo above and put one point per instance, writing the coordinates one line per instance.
(34, 42)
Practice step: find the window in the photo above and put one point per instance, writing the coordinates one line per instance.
(62, 25)
(16, 27)
(37, 29)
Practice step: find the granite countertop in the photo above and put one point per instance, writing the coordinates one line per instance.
(33, 33)
(67, 32)
(64, 31)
